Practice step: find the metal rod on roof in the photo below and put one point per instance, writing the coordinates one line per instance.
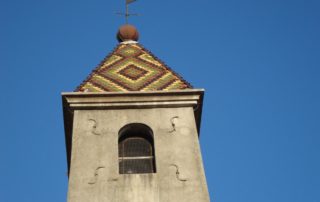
(127, 14)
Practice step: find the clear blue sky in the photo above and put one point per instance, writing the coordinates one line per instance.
(259, 61)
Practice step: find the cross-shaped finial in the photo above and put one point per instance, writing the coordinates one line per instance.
(127, 14)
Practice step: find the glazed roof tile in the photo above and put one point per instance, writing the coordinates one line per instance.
(131, 67)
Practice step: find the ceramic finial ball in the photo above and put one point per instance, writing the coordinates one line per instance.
(127, 33)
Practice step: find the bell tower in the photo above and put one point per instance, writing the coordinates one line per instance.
(132, 131)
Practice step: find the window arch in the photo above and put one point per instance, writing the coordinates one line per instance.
(136, 149)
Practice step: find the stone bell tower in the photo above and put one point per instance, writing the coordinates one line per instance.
(132, 131)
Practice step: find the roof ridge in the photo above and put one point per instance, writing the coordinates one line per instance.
(97, 67)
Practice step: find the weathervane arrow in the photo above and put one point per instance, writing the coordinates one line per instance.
(130, 1)
(127, 14)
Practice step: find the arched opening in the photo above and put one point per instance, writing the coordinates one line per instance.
(136, 149)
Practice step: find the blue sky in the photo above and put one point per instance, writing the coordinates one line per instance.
(259, 62)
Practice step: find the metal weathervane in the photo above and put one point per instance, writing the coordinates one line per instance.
(127, 14)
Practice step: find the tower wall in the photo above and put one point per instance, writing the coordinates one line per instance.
(94, 167)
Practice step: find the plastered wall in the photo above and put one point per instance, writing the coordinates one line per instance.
(94, 174)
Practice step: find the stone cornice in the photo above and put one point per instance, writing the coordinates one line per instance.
(122, 100)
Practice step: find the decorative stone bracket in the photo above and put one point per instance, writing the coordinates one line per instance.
(95, 178)
(178, 173)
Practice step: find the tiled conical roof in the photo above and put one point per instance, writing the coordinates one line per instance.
(131, 67)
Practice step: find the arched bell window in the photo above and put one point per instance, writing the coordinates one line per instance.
(136, 149)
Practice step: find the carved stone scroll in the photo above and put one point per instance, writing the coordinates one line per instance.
(173, 124)
(94, 180)
(178, 173)
(94, 127)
